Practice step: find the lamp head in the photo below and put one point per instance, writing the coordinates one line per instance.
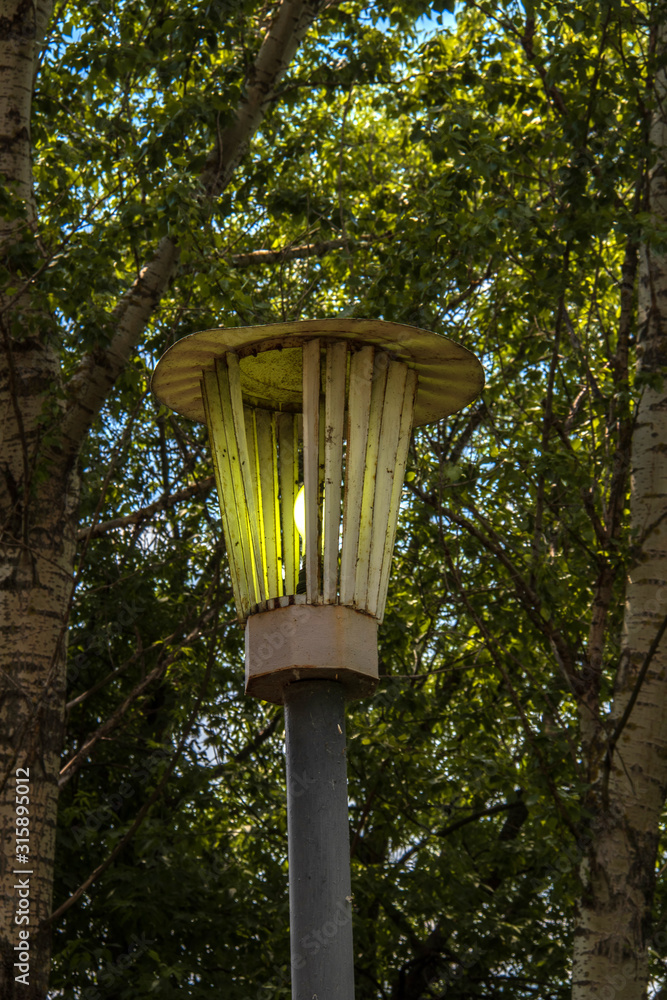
(329, 404)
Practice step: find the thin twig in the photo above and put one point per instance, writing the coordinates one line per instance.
(622, 722)
(452, 827)
(74, 763)
(199, 489)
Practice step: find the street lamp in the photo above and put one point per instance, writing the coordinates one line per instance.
(310, 422)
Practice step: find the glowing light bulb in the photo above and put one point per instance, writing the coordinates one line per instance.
(300, 512)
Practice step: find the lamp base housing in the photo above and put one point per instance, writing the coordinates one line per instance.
(310, 642)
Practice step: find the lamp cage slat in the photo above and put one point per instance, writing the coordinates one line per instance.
(252, 505)
(232, 499)
(320, 491)
(334, 422)
(311, 436)
(384, 478)
(267, 478)
(359, 404)
(368, 494)
(222, 476)
(241, 493)
(405, 434)
(253, 464)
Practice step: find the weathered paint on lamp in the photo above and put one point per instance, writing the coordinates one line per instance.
(330, 404)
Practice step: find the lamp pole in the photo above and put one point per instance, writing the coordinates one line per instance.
(318, 842)
(322, 410)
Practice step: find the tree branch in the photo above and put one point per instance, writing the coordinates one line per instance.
(302, 252)
(622, 722)
(248, 750)
(525, 593)
(492, 646)
(199, 489)
(98, 370)
(74, 763)
(292, 21)
(146, 806)
(452, 827)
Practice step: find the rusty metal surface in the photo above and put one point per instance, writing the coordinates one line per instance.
(310, 641)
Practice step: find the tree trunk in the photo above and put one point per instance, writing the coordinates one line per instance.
(38, 501)
(38, 508)
(618, 871)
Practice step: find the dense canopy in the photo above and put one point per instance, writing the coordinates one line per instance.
(485, 174)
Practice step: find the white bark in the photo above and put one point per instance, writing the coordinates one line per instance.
(21, 31)
(36, 538)
(37, 549)
(289, 26)
(613, 932)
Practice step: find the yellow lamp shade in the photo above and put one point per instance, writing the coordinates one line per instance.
(327, 404)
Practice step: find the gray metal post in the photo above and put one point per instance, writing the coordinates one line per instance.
(318, 842)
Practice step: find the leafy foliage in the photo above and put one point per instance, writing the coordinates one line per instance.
(479, 177)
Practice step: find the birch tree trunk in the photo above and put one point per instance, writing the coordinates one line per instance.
(38, 503)
(618, 871)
